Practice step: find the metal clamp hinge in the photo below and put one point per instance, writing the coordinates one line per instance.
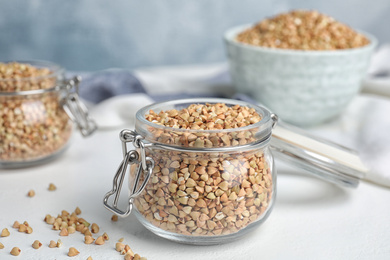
(275, 119)
(145, 170)
(76, 109)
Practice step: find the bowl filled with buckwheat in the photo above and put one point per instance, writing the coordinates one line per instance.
(303, 65)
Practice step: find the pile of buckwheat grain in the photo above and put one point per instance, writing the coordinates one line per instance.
(66, 224)
(204, 117)
(303, 30)
(15, 76)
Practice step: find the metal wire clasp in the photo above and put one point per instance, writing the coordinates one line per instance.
(144, 169)
(76, 109)
(275, 119)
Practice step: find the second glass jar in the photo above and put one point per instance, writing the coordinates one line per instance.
(38, 107)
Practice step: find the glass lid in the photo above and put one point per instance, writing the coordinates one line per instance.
(324, 159)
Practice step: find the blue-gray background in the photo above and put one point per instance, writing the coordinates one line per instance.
(91, 35)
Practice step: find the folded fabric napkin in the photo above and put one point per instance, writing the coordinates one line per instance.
(102, 85)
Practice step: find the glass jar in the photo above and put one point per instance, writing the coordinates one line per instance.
(198, 186)
(36, 112)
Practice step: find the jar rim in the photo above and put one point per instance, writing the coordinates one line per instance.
(265, 122)
(55, 69)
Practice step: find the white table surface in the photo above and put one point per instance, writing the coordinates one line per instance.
(311, 218)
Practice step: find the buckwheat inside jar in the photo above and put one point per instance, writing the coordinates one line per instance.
(213, 172)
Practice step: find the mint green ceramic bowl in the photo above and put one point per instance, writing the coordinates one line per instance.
(303, 87)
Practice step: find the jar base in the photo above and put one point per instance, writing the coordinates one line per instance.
(35, 162)
(200, 240)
